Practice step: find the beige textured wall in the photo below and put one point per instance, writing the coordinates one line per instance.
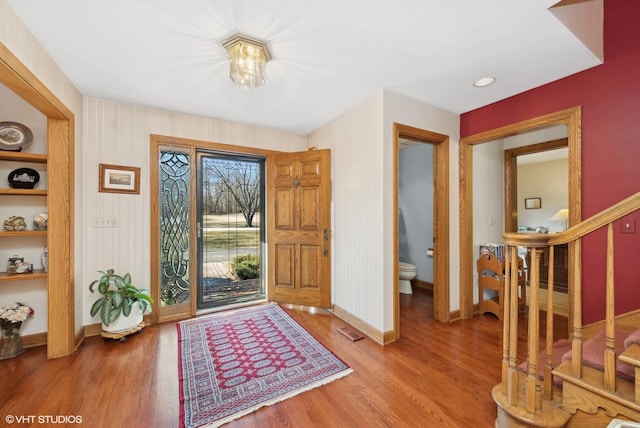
(355, 140)
(119, 133)
(361, 143)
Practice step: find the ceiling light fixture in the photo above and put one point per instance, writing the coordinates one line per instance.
(247, 57)
(485, 81)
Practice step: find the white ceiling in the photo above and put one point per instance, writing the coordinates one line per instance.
(330, 55)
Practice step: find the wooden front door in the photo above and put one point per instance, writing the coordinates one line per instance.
(298, 211)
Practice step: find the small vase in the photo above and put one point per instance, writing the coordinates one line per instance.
(11, 340)
(45, 259)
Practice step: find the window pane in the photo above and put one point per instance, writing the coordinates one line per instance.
(230, 212)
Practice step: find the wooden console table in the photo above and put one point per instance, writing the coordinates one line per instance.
(560, 268)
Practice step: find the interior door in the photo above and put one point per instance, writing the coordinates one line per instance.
(299, 225)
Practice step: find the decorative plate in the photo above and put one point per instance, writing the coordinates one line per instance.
(14, 136)
(23, 178)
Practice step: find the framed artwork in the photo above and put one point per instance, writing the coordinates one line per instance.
(532, 203)
(119, 179)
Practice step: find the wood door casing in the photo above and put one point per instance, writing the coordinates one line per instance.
(572, 118)
(298, 211)
(511, 177)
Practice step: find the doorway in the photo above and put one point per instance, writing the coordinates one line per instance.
(415, 213)
(230, 209)
(572, 119)
(539, 152)
(539, 174)
(440, 241)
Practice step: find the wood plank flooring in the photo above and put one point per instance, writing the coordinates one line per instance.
(437, 375)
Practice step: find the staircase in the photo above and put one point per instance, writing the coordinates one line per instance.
(588, 391)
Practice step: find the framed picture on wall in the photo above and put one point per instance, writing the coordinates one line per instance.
(119, 179)
(532, 203)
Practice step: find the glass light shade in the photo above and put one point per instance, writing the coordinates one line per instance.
(247, 60)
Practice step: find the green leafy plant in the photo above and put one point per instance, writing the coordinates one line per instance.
(246, 266)
(118, 295)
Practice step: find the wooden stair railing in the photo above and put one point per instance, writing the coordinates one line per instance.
(525, 399)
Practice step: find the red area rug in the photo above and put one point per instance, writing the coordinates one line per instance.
(231, 364)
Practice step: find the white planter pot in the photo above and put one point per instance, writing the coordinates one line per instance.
(125, 323)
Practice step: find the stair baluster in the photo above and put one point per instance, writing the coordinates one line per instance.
(525, 400)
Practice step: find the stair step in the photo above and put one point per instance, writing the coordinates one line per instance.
(587, 393)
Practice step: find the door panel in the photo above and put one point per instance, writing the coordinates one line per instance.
(299, 223)
(310, 208)
(310, 169)
(284, 208)
(284, 170)
(311, 261)
(284, 268)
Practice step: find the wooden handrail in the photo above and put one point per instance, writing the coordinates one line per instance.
(537, 395)
(597, 221)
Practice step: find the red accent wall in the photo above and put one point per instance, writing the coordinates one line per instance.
(609, 95)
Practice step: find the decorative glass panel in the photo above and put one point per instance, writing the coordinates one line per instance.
(174, 227)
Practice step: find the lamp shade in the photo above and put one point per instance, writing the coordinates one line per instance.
(247, 58)
(562, 216)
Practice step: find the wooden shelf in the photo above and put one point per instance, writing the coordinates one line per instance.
(23, 157)
(36, 274)
(24, 192)
(22, 233)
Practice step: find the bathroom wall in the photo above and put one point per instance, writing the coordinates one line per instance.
(415, 200)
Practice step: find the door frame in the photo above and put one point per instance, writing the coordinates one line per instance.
(60, 336)
(572, 119)
(511, 179)
(440, 142)
(188, 310)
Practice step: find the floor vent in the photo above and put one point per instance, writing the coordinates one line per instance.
(350, 334)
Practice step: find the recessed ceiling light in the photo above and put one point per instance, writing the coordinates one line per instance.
(485, 81)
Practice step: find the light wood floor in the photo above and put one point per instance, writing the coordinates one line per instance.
(437, 375)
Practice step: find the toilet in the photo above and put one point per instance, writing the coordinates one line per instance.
(407, 272)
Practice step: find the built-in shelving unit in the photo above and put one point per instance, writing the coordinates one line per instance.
(57, 156)
(21, 158)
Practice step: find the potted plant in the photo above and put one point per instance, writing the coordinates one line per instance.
(122, 304)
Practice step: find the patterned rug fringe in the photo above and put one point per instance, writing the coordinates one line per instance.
(238, 415)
